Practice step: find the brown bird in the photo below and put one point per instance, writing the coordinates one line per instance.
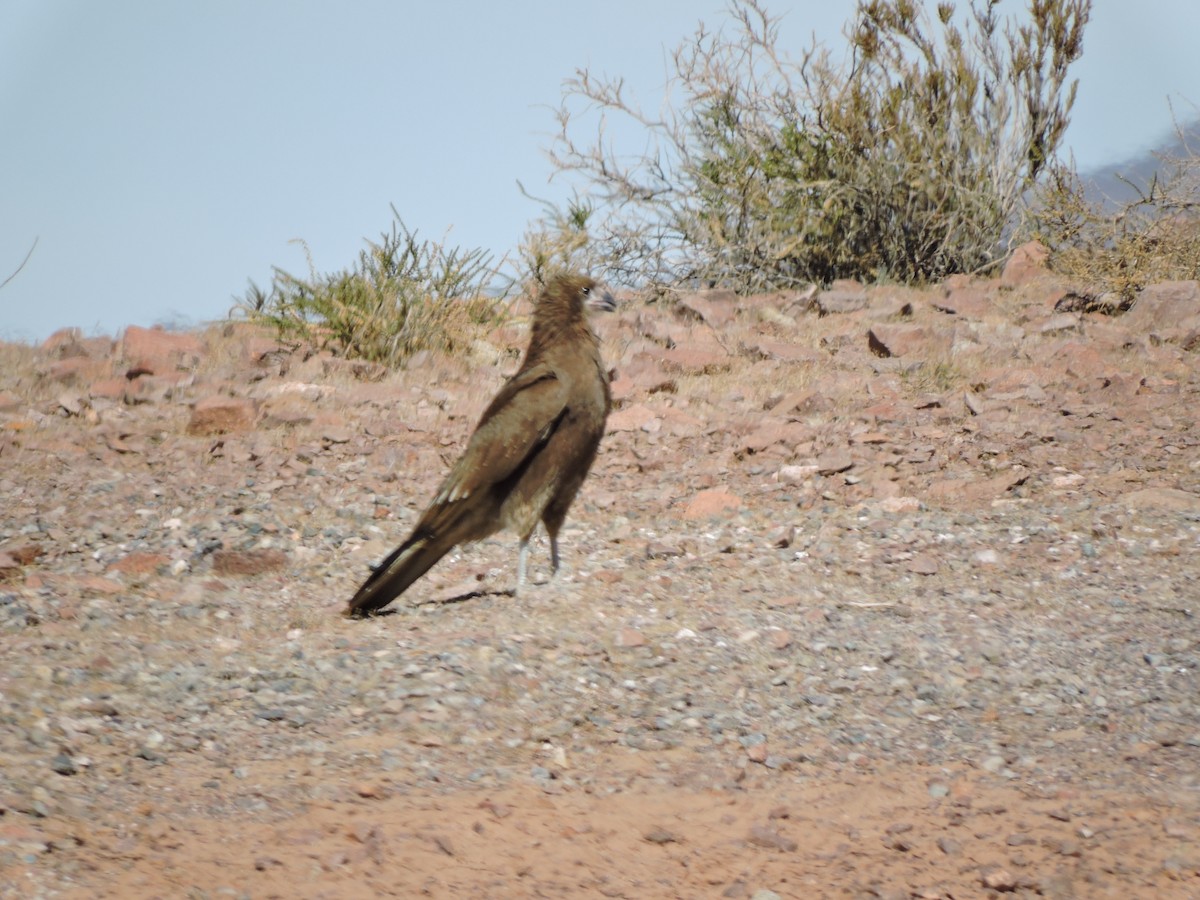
(529, 453)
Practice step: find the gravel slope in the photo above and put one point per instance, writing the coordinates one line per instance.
(834, 623)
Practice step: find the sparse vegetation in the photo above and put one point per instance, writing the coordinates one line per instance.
(1113, 251)
(908, 161)
(403, 295)
(915, 157)
(934, 377)
(558, 241)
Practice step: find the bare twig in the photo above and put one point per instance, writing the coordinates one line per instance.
(21, 266)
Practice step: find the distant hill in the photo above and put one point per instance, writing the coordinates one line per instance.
(1109, 184)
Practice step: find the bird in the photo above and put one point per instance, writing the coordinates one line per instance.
(529, 453)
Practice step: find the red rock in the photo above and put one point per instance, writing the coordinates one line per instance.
(660, 332)
(69, 343)
(834, 462)
(155, 351)
(871, 437)
(108, 388)
(888, 303)
(669, 546)
(623, 388)
(334, 432)
(95, 584)
(1169, 311)
(971, 301)
(634, 418)
(1163, 500)
(843, 296)
(716, 308)
(77, 370)
(222, 415)
(1060, 322)
(628, 638)
(71, 404)
(968, 490)
(710, 503)
(765, 348)
(124, 443)
(884, 488)
(923, 564)
(1073, 358)
(1027, 263)
(885, 339)
(287, 409)
(680, 424)
(139, 563)
(899, 504)
(797, 402)
(796, 474)
(777, 306)
(644, 370)
(696, 360)
(24, 553)
(770, 433)
(64, 344)
(886, 412)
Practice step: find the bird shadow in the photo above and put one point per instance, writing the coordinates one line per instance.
(449, 600)
(459, 598)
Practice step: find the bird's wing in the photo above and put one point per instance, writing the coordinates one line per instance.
(518, 420)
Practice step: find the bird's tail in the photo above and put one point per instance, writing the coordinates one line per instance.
(403, 566)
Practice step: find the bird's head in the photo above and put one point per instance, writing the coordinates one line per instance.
(561, 312)
(579, 292)
(598, 298)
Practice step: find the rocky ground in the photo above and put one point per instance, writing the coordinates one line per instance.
(872, 593)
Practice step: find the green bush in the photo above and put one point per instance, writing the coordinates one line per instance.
(403, 295)
(907, 161)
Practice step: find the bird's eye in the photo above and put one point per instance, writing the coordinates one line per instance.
(587, 290)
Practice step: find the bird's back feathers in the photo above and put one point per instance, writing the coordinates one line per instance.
(528, 455)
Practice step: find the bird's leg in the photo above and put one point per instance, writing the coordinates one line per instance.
(522, 560)
(554, 554)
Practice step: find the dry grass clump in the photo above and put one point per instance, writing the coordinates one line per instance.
(19, 368)
(402, 296)
(937, 376)
(1115, 252)
(905, 161)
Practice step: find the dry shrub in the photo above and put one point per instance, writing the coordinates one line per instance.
(1114, 250)
(907, 161)
(404, 295)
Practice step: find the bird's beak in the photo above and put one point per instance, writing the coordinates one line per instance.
(600, 299)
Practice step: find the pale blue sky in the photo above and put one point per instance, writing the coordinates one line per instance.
(163, 152)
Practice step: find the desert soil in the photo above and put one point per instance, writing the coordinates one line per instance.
(874, 593)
